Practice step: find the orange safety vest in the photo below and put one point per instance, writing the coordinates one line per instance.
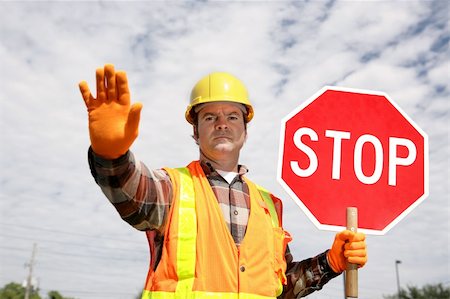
(199, 256)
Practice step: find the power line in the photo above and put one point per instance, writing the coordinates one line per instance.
(68, 233)
(61, 242)
(65, 270)
(88, 255)
(13, 248)
(44, 252)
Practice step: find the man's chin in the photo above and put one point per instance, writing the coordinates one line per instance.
(223, 147)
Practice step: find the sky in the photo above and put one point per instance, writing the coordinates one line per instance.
(283, 51)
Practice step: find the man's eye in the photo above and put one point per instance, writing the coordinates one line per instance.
(209, 118)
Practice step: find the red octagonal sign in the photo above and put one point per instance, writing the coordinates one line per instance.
(353, 148)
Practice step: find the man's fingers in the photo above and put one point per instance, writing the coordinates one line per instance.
(110, 82)
(355, 252)
(349, 236)
(123, 93)
(358, 237)
(355, 245)
(358, 260)
(345, 235)
(100, 80)
(133, 118)
(85, 93)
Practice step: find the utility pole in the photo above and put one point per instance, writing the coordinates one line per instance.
(398, 277)
(30, 272)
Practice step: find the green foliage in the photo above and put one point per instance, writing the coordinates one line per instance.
(16, 291)
(56, 295)
(429, 291)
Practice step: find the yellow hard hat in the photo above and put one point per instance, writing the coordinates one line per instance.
(219, 87)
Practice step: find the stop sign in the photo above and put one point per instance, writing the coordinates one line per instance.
(353, 148)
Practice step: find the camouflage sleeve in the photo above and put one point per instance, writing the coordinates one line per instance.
(306, 276)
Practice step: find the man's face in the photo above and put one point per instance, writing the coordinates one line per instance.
(221, 129)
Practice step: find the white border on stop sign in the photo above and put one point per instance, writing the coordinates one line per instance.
(298, 200)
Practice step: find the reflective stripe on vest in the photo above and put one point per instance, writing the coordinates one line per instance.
(187, 241)
(269, 202)
(187, 236)
(199, 295)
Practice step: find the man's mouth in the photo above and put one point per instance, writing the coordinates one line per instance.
(222, 137)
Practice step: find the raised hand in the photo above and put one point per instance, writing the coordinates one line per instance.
(113, 123)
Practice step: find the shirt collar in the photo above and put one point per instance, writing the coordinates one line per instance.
(208, 169)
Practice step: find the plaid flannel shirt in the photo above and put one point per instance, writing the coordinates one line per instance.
(143, 197)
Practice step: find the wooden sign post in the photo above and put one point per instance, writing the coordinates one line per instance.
(351, 274)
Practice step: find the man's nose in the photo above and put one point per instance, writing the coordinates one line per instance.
(221, 123)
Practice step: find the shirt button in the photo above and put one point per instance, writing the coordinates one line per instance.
(242, 268)
(236, 212)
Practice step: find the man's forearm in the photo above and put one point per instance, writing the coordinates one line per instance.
(141, 197)
(306, 276)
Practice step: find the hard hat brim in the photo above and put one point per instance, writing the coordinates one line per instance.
(192, 111)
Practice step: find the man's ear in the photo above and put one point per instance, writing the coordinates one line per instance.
(195, 133)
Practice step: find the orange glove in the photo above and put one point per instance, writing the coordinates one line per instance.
(347, 247)
(113, 124)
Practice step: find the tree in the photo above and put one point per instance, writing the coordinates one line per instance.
(56, 295)
(16, 291)
(429, 291)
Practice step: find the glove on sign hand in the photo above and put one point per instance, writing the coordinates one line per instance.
(347, 246)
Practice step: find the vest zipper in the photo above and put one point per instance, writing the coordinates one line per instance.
(239, 270)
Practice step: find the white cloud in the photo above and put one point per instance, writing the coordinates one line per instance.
(283, 51)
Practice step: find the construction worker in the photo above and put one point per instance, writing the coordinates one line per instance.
(212, 232)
